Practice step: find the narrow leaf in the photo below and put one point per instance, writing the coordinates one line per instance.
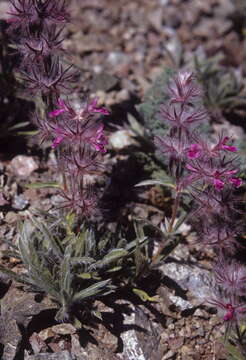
(91, 291)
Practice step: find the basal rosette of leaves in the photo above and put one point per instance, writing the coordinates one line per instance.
(73, 268)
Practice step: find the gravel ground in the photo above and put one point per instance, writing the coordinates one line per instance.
(120, 47)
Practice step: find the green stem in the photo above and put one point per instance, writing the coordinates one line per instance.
(174, 212)
(174, 243)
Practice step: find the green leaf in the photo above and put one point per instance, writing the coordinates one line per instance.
(114, 269)
(143, 295)
(13, 275)
(135, 125)
(97, 314)
(66, 276)
(234, 352)
(91, 291)
(48, 236)
(81, 260)
(155, 182)
(84, 276)
(18, 126)
(27, 133)
(114, 255)
(43, 185)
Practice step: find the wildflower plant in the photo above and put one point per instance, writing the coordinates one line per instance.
(66, 256)
(77, 134)
(72, 267)
(205, 171)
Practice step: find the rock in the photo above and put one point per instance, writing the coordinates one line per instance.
(4, 10)
(17, 310)
(181, 303)
(155, 19)
(62, 355)
(169, 355)
(164, 2)
(119, 60)
(77, 349)
(19, 202)
(208, 28)
(64, 329)
(225, 8)
(3, 200)
(176, 343)
(121, 139)
(196, 280)
(142, 340)
(11, 217)
(122, 95)
(23, 166)
(104, 82)
(37, 344)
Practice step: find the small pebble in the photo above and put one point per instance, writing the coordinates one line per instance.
(19, 202)
(23, 166)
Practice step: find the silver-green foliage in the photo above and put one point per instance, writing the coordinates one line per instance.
(73, 267)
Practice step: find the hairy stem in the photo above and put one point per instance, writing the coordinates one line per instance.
(174, 243)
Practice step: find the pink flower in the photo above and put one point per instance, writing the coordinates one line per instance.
(59, 137)
(228, 147)
(222, 145)
(225, 175)
(230, 312)
(217, 177)
(100, 140)
(194, 151)
(92, 108)
(219, 184)
(61, 109)
(82, 113)
(237, 182)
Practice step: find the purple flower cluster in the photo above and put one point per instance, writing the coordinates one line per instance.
(78, 134)
(36, 27)
(230, 278)
(208, 170)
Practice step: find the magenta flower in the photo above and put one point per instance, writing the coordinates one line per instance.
(231, 311)
(58, 139)
(226, 176)
(194, 151)
(79, 126)
(29, 12)
(100, 140)
(218, 178)
(82, 113)
(60, 110)
(237, 182)
(92, 108)
(228, 147)
(222, 145)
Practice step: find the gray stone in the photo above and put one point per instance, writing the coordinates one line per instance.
(23, 166)
(103, 81)
(62, 355)
(19, 202)
(196, 280)
(17, 308)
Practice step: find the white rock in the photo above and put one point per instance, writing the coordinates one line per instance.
(23, 165)
(121, 139)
